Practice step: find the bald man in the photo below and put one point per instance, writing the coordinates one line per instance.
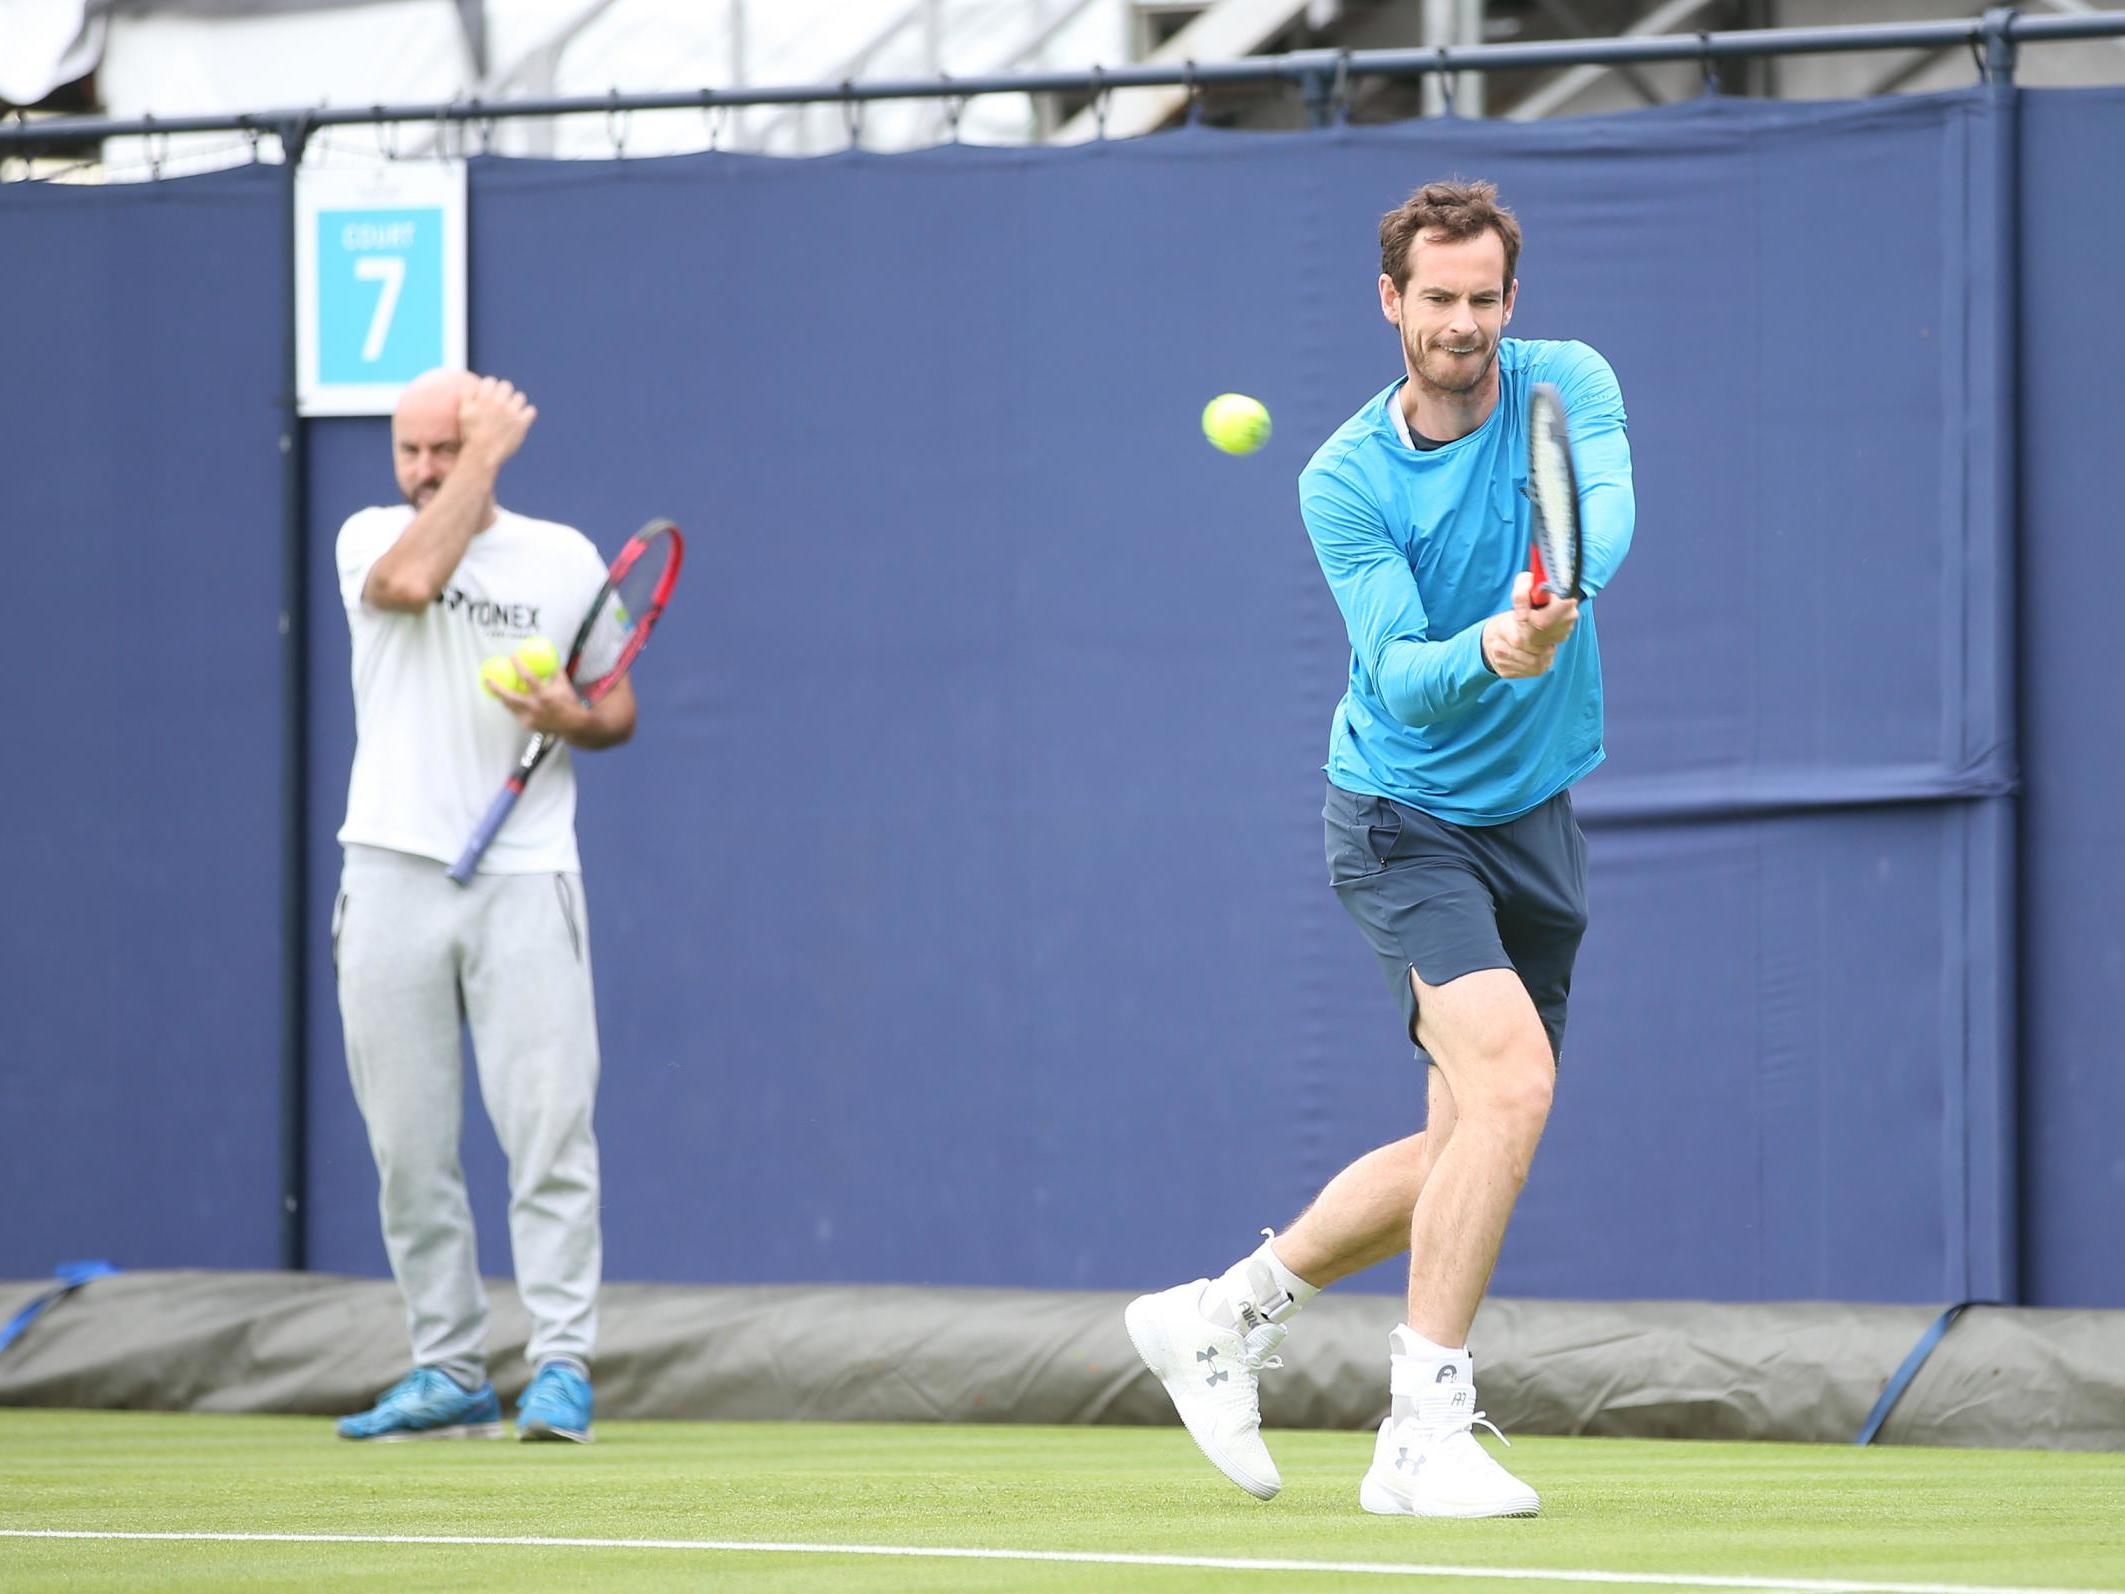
(432, 587)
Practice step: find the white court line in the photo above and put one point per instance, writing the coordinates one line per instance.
(1218, 1563)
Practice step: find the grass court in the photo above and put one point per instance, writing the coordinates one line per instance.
(154, 1501)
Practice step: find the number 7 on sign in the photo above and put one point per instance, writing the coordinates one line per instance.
(390, 270)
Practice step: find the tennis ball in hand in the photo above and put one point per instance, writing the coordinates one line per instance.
(1236, 423)
(543, 657)
(500, 671)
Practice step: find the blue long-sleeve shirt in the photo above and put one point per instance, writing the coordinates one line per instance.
(1420, 548)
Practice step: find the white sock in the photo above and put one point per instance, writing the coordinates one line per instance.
(1417, 1368)
(1257, 1289)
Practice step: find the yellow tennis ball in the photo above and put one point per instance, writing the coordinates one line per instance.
(1236, 423)
(543, 657)
(500, 671)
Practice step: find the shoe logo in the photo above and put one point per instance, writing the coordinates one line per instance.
(1446, 1374)
(1209, 1359)
(1404, 1464)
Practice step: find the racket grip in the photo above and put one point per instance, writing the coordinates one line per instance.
(483, 836)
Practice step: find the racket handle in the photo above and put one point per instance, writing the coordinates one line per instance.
(461, 872)
(1539, 596)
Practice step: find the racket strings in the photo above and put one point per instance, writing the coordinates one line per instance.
(1551, 488)
(621, 612)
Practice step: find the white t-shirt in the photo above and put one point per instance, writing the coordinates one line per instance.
(432, 746)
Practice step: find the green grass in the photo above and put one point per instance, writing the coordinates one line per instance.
(2021, 1518)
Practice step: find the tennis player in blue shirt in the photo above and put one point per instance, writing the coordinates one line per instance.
(1450, 839)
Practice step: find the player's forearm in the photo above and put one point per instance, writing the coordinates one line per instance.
(1608, 516)
(415, 569)
(1608, 507)
(1422, 683)
(605, 723)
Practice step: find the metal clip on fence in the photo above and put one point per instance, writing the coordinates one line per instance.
(852, 112)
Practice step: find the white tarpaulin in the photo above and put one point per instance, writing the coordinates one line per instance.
(44, 43)
(169, 58)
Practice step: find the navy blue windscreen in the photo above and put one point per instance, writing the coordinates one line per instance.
(960, 914)
(140, 949)
(959, 911)
(2073, 326)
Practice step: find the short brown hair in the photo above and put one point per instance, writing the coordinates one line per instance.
(1456, 211)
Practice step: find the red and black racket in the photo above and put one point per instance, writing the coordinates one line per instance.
(607, 644)
(1553, 554)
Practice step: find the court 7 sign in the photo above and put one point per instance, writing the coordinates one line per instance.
(379, 281)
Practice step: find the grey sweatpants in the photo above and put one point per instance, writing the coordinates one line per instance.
(417, 958)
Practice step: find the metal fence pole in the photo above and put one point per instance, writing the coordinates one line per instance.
(295, 748)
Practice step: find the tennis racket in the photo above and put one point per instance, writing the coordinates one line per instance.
(607, 644)
(1553, 552)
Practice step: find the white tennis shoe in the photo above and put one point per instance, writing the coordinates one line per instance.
(1213, 1375)
(1428, 1464)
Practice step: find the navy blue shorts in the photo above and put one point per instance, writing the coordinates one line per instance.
(1447, 900)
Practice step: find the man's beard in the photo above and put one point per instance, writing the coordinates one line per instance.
(1482, 369)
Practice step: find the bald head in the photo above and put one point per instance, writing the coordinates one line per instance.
(425, 431)
(433, 396)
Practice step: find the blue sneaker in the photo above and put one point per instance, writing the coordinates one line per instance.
(428, 1404)
(556, 1406)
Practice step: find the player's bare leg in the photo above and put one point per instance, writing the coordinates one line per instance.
(1489, 1045)
(1362, 1216)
